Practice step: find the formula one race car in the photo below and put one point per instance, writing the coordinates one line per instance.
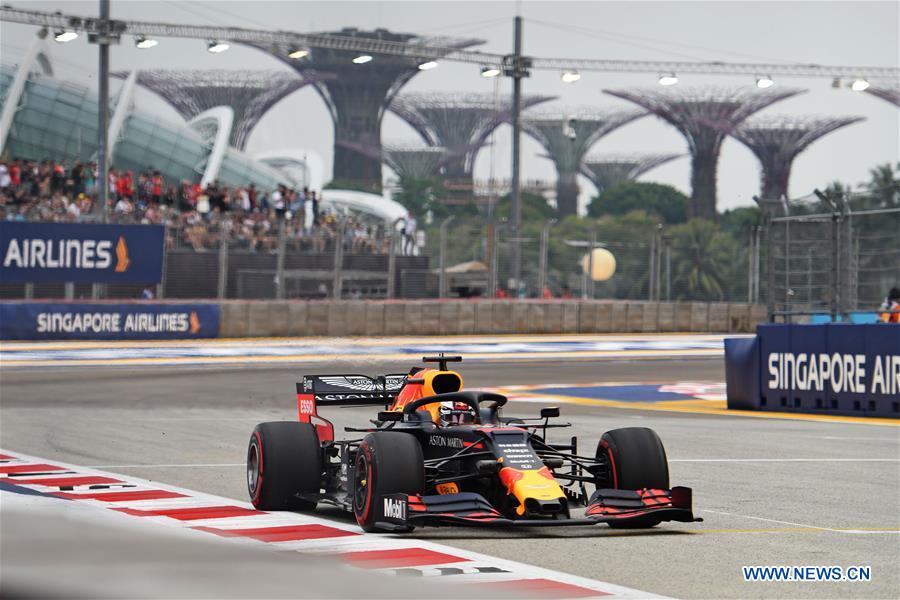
(440, 455)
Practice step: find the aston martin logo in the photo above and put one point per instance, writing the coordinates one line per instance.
(364, 384)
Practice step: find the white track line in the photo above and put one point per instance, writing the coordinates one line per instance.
(852, 531)
(779, 460)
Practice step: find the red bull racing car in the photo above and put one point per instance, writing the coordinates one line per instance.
(439, 455)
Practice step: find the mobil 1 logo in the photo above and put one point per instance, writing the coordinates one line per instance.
(393, 508)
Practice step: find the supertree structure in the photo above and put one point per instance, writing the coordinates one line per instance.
(890, 93)
(568, 136)
(250, 94)
(704, 117)
(777, 140)
(412, 160)
(609, 170)
(460, 122)
(363, 87)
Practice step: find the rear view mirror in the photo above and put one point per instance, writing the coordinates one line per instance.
(550, 412)
(390, 415)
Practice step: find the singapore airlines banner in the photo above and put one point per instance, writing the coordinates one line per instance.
(835, 368)
(107, 321)
(85, 253)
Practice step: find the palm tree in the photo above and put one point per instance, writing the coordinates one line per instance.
(703, 259)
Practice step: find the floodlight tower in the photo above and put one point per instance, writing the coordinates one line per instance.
(704, 117)
(364, 86)
(608, 171)
(461, 123)
(567, 137)
(889, 93)
(777, 140)
(250, 94)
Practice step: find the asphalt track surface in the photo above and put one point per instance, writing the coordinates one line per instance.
(771, 491)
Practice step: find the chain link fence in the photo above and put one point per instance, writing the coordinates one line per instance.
(832, 254)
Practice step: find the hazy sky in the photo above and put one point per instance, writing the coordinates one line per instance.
(838, 33)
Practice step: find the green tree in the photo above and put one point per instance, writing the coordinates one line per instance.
(739, 221)
(534, 208)
(662, 200)
(419, 195)
(706, 262)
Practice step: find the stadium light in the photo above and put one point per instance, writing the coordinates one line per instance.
(570, 76)
(427, 66)
(668, 79)
(298, 53)
(859, 85)
(764, 82)
(62, 36)
(217, 47)
(490, 71)
(362, 59)
(144, 43)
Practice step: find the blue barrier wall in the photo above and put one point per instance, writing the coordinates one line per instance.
(101, 321)
(85, 253)
(835, 368)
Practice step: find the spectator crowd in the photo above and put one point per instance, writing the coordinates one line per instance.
(196, 217)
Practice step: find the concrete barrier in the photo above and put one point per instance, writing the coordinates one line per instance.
(259, 318)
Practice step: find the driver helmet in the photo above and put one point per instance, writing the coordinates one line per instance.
(456, 413)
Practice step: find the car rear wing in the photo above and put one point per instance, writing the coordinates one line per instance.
(345, 390)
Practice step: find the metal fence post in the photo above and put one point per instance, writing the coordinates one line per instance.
(161, 286)
(495, 259)
(590, 270)
(222, 283)
(442, 282)
(279, 260)
(750, 270)
(29, 291)
(392, 266)
(651, 283)
(770, 271)
(70, 290)
(338, 281)
(543, 258)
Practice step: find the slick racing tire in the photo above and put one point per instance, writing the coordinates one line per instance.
(637, 460)
(386, 463)
(283, 459)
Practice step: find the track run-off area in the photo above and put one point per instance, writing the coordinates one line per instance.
(174, 418)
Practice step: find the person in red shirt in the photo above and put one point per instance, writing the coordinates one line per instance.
(15, 174)
(156, 186)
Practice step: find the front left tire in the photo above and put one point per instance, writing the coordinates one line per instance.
(386, 463)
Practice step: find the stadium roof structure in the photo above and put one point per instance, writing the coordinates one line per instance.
(704, 117)
(890, 93)
(249, 93)
(567, 136)
(460, 122)
(364, 85)
(777, 140)
(609, 170)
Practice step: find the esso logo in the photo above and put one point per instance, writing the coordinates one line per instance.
(307, 407)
